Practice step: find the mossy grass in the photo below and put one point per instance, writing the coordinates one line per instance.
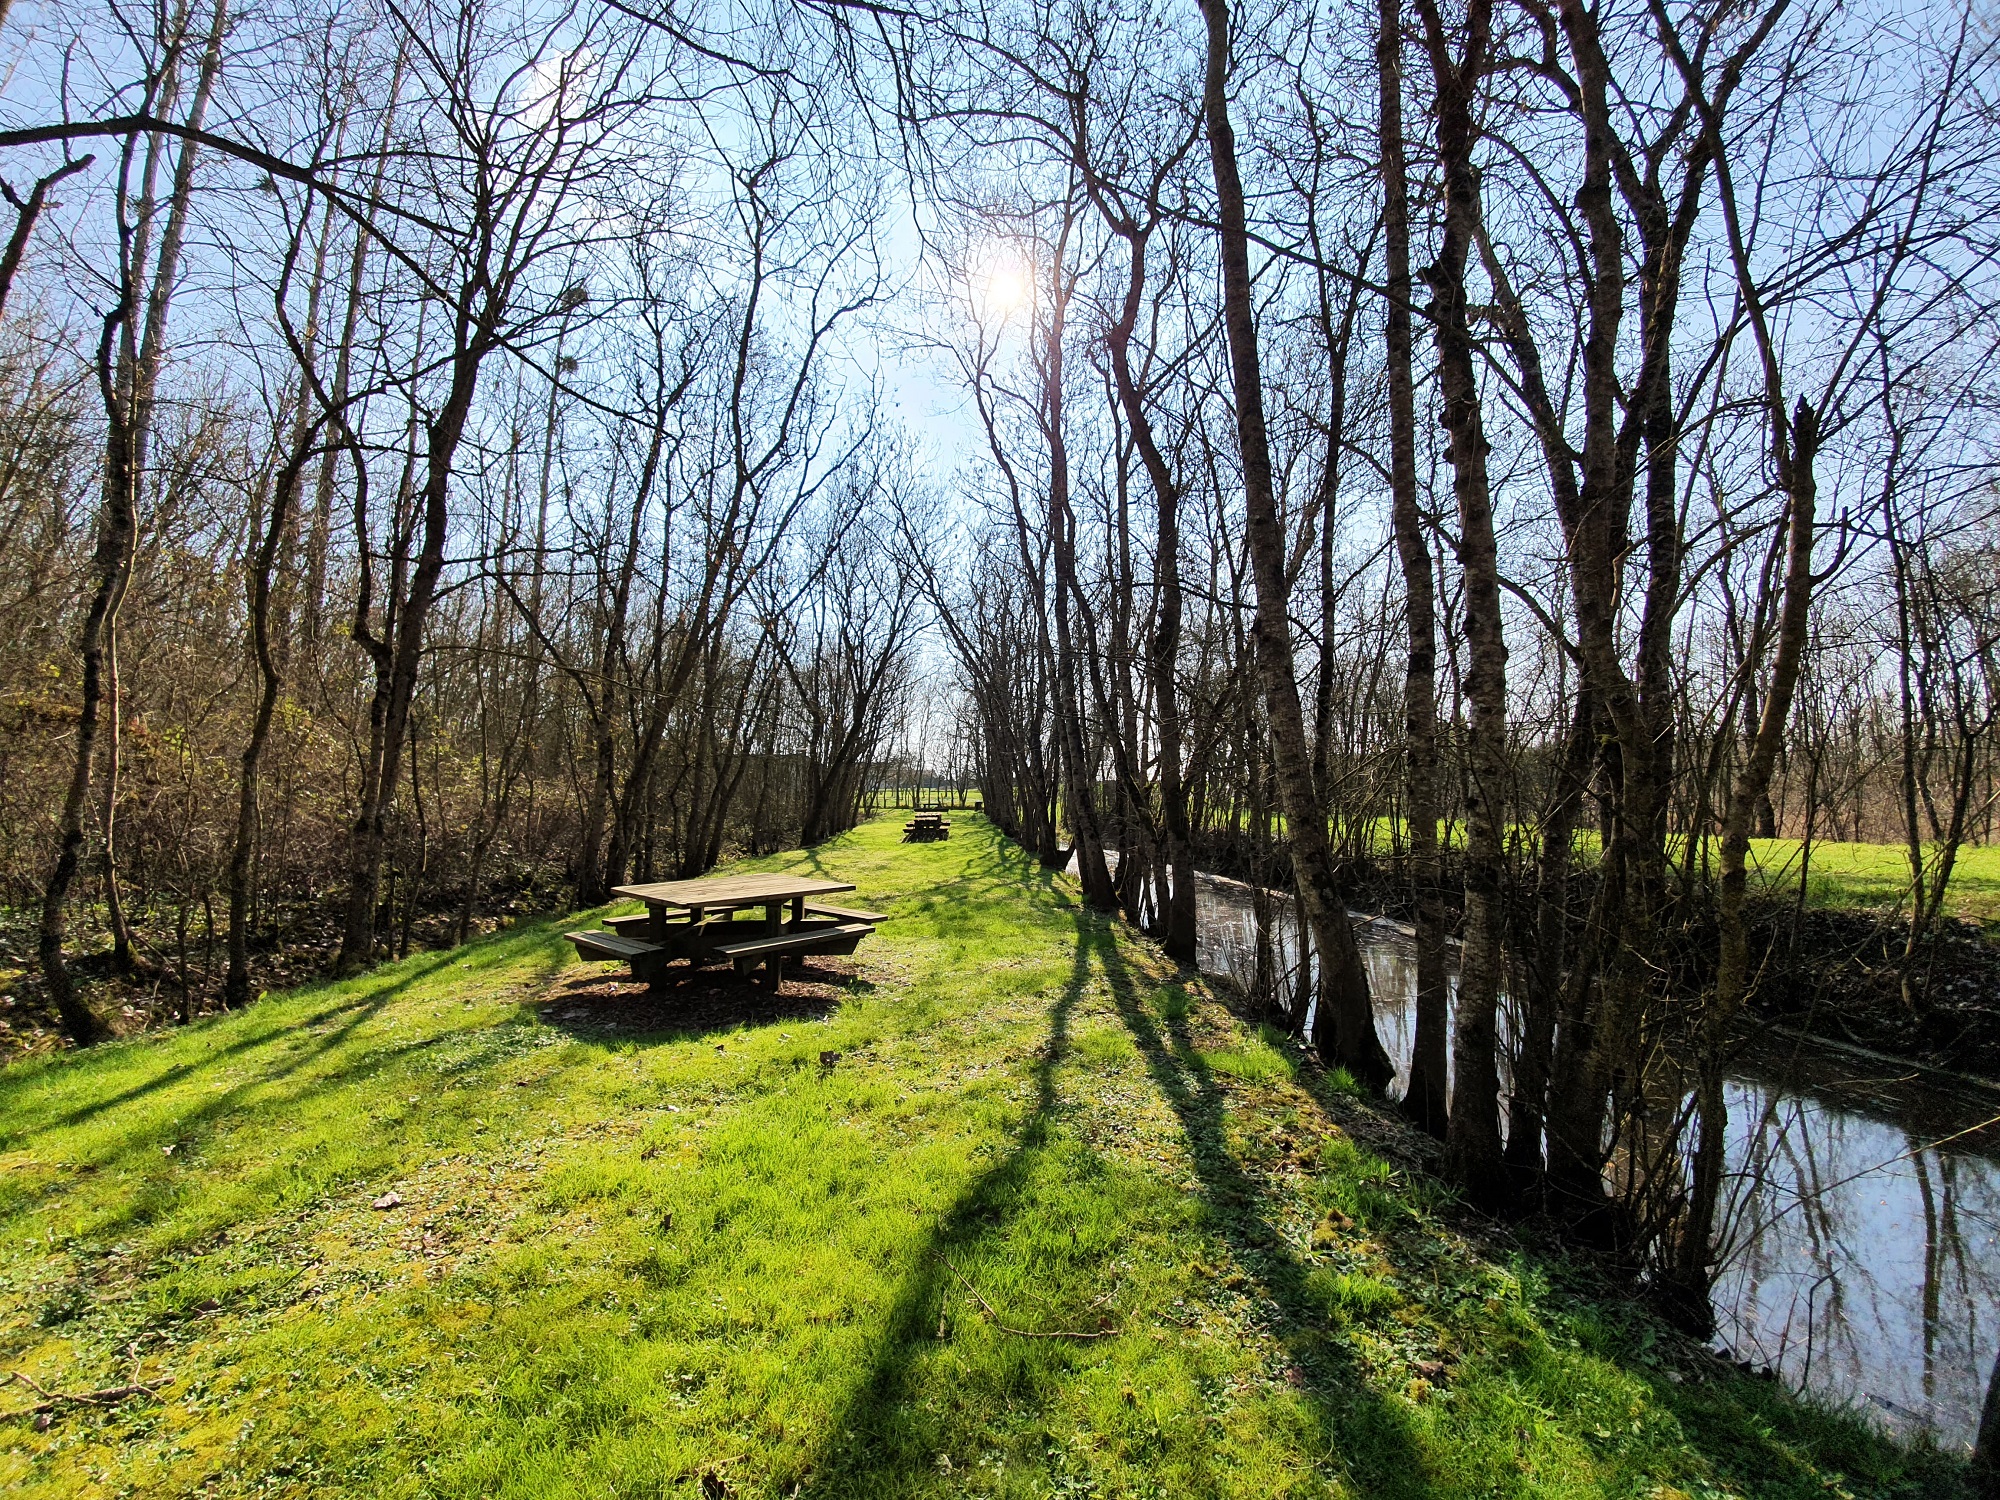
(1055, 1222)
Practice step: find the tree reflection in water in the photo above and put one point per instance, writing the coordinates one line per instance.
(1860, 1258)
(1859, 1255)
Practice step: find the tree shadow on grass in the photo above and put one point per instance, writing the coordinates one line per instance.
(686, 1003)
(1368, 1434)
(1746, 1448)
(142, 1140)
(355, 1002)
(877, 1446)
(354, 1010)
(871, 1451)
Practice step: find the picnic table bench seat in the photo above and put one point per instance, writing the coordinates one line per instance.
(615, 947)
(846, 913)
(838, 938)
(772, 952)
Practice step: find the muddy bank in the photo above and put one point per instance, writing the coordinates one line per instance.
(1844, 976)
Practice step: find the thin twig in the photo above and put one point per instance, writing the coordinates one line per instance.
(1025, 1333)
(109, 1395)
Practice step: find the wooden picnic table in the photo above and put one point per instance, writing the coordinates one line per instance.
(696, 920)
(692, 898)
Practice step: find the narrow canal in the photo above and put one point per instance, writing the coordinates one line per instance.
(1861, 1239)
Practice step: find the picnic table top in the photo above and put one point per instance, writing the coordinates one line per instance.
(717, 890)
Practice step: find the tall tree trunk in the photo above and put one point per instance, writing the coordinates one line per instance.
(1793, 440)
(138, 387)
(1428, 1099)
(111, 563)
(1080, 777)
(1540, 1001)
(1179, 935)
(596, 875)
(1347, 1021)
(1472, 1141)
(1797, 447)
(236, 982)
(370, 834)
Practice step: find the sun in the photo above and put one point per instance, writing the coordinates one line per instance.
(1003, 286)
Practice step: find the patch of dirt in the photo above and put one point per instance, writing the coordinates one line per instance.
(697, 1000)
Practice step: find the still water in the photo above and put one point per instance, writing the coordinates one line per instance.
(1861, 1241)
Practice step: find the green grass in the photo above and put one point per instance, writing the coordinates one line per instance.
(1877, 875)
(1837, 875)
(630, 1257)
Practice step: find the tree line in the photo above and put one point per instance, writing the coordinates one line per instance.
(436, 474)
(1493, 461)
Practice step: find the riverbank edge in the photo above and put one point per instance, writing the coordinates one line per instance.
(1832, 974)
(1597, 1279)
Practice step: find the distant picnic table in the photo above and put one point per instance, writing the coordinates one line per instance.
(703, 922)
(925, 826)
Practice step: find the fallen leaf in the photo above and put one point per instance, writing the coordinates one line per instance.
(389, 1200)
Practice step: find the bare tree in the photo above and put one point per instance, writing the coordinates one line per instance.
(1349, 1021)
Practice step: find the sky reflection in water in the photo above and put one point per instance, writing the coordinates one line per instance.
(1861, 1260)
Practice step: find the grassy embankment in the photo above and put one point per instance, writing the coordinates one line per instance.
(630, 1256)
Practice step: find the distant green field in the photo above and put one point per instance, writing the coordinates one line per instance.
(1837, 874)
(1877, 875)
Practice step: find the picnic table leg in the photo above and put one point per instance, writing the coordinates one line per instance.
(777, 968)
(798, 910)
